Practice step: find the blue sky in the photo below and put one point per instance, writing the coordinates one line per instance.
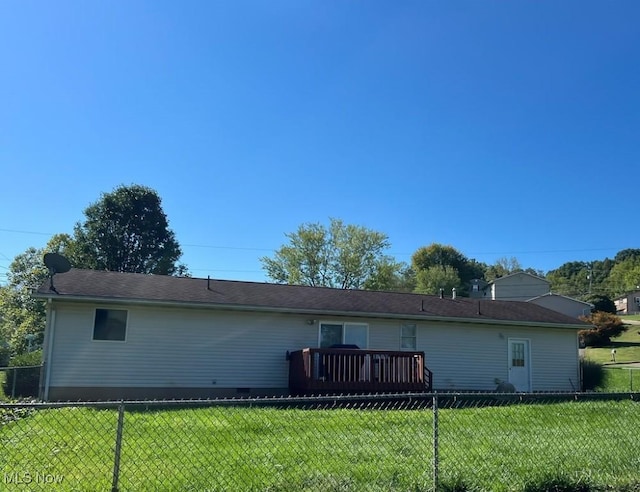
(501, 128)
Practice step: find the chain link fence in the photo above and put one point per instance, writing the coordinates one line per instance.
(20, 381)
(449, 442)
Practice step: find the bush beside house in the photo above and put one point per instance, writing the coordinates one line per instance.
(26, 375)
(606, 327)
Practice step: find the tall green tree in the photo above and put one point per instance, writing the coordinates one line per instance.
(342, 255)
(570, 279)
(392, 276)
(624, 276)
(20, 313)
(431, 279)
(580, 279)
(626, 254)
(444, 262)
(503, 266)
(127, 231)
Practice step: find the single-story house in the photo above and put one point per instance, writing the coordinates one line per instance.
(113, 335)
(563, 304)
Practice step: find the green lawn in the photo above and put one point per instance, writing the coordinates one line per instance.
(627, 347)
(496, 448)
(624, 374)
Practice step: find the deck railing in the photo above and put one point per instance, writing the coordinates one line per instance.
(337, 370)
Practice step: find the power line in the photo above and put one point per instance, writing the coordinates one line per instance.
(551, 251)
(245, 248)
(15, 231)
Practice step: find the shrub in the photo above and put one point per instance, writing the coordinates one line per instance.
(606, 327)
(593, 375)
(27, 381)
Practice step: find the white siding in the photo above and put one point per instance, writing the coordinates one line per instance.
(199, 348)
(178, 348)
(384, 334)
(473, 357)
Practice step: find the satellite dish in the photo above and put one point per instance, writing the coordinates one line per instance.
(56, 264)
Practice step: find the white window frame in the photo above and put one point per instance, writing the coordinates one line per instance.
(93, 329)
(343, 324)
(406, 337)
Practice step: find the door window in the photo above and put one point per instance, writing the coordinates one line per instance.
(517, 354)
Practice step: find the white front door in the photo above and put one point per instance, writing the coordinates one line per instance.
(519, 364)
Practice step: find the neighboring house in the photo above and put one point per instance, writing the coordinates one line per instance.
(520, 286)
(563, 304)
(629, 303)
(121, 335)
(477, 288)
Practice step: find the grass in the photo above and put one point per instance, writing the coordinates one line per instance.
(624, 374)
(499, 448)
(627, 347)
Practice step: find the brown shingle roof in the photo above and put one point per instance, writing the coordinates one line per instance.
(103, 285)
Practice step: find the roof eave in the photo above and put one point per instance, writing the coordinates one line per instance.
(316, 312)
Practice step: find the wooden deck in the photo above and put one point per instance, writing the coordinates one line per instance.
(342, 371)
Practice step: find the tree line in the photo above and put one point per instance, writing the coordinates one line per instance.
(354, 257)
(126, 230)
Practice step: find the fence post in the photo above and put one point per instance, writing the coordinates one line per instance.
(435, 442)
(13, 386)
(116, 458)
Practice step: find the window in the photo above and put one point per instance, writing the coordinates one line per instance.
(408, 337)
(517, 354)
(110, 324)
(344, 333)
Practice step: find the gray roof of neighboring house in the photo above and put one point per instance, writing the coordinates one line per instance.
(552, 294)
(92, 285)
(500, 279)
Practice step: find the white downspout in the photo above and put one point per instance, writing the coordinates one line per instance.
(47, 361)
